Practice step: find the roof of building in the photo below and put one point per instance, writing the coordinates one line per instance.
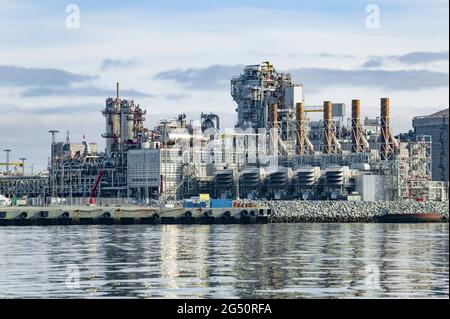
(439, 114)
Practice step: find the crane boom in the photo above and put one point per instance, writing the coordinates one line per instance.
(95, 187)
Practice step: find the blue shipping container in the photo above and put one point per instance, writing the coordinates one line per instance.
(221, 203)
(191, 204)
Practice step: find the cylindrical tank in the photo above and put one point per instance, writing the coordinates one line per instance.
(107, 112)
(127, 121)
(207, 124)
(112, 117)
(115, 117)
(255, 93)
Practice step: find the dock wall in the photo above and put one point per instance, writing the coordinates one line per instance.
(266, 212)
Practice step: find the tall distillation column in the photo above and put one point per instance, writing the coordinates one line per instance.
(112, 116)
(127, 130)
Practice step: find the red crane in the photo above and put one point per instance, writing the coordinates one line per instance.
(95, 187)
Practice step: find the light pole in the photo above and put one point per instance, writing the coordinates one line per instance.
(7, 151)
(238, 177)
(52, 162)
(53, 133)
(165, 162)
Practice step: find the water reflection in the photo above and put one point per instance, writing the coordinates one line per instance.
(226, 261)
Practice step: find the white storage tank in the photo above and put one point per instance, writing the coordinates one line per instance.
(372, 187)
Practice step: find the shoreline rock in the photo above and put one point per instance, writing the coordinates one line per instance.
(345, 211)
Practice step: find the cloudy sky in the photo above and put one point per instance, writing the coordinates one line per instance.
(178, 56)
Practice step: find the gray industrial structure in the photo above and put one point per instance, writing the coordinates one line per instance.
(274, 152)
(435, 126)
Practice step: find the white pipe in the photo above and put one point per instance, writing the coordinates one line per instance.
(365, 143)
(176, 136)
(310, 146)
(283, 146)
(338, 145)
(395, 141)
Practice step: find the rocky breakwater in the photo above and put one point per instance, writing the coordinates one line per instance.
(348, 211)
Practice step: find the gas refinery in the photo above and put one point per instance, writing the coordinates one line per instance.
(274, 152)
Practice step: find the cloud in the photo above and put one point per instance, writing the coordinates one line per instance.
(412, 58)
(76, 109)
(317, 78)
(66, 110)
(217, 77)
(334, 55)
(80, 91)
(211, 77)
(54, 82)
(19, 76)
(176, 97)
(324, 55)
(374, 62)
(423, 57)
(115, 63)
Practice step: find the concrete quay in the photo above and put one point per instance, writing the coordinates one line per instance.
(110, 215)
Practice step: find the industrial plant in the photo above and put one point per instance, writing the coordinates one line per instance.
(275, 152)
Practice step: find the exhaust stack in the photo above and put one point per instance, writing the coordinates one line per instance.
(300, 117)
(304, 145)
(387, 142)
(357, 145)
(328, 128)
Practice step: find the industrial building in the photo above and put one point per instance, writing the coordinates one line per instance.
(435, 126)
(274, 152)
